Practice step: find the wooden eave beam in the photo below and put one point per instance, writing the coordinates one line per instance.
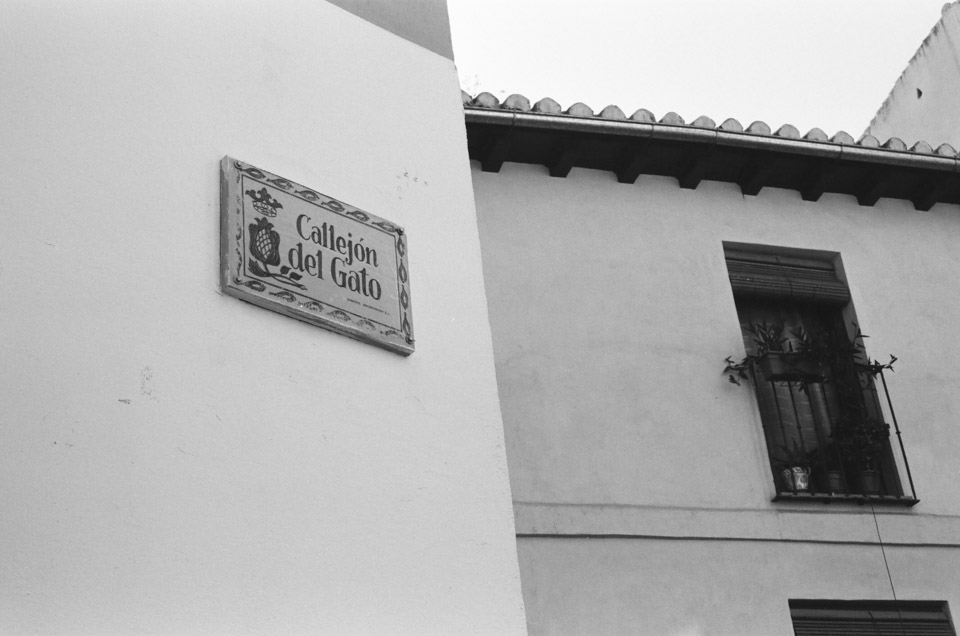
(632, 164)
(755, 174)
(873, 186)
(814, 182)
(495, 152)
(694, 168)
(564, 157)
(930, 191)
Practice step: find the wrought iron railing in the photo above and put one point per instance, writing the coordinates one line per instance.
(827, 432)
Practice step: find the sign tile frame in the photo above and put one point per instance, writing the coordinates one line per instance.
(256, 207)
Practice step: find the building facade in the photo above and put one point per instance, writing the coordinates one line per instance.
(921, 105)
(591, 312)
(625, 260)
(174, 460)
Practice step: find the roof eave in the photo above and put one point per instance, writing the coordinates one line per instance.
(693, 153)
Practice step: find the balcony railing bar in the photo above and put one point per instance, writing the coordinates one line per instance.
(827, 498)
(783, 431)
(896, 428)
(796, 414)
(821, 484)
(845, 481)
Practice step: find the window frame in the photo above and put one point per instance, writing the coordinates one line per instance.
(812, 283)
(822, 617)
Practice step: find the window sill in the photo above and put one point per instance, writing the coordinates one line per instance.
(878, 500)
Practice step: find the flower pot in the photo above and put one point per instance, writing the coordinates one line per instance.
(870, 482)
(835, 482)
(777, 365)
(796, 478)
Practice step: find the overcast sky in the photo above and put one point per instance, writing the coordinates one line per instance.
(823, 63)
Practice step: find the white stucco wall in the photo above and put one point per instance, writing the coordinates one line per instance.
(620, 422)
(922, 103)
(177, 461)
(695, 588)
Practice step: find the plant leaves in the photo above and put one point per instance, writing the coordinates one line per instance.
(295, 276)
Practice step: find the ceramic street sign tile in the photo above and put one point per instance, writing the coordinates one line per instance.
(296, 251)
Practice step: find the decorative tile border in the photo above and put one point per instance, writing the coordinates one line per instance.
(290, 249)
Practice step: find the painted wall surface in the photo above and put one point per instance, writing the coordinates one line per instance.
(424, 22)
(922, 103)
(177, 461)
(696, 588)
(620, 422)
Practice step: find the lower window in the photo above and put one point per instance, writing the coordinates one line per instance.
(876, 618)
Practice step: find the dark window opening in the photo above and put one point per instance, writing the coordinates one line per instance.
(870, 618)
(824, 424)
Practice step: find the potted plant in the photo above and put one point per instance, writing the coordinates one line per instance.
(831, 474)
(793, 463)
(776, 357)
(835, 481)
(854, 458)
(801, 359)
(862, 443)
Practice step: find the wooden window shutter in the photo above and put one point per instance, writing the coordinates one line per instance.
(871, 618)
(808, 278)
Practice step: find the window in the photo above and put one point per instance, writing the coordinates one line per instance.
(873, 618)
(824, 422)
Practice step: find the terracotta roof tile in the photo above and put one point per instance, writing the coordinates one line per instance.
(672, 119)
(894, 143)
(644, 115)
(548, 106)
(703, 122)
(516, 102)
(731, 125)
(843, 137)
(758, 128)
(612, 112)
(788, 131)
(485, 100)
(579, 110)
(946, 150)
